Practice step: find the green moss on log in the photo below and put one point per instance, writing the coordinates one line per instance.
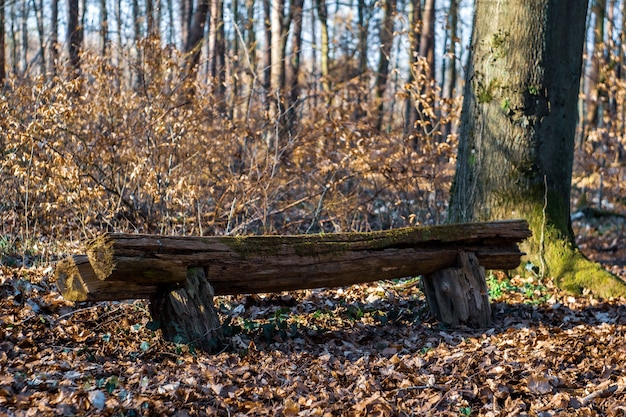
(315, 245)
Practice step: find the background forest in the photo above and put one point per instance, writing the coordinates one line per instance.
(257, 116)
(282, 116)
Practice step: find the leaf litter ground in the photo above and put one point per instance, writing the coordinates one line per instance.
(363, 350)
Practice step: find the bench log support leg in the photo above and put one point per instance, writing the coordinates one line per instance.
(459, 295)
(186, 314)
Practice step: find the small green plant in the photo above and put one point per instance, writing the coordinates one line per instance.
(533, 90)
(498, 44)
(465, 411)
(497, 288)
(486, 93)
(536, 293)
(506, 105)
(354, 312)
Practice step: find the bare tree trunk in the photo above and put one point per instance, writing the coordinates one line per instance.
(427, 52)
(170, 23)
(293, 68)
(621, 62)
(427, 36)
(196, 34)
(138, 35)
(118, 23)
(104, 28)
(251, 59)
(594, 85)
(251, 33)
(14, 40)
(38, 9)
(150, 24)
(313, 84)
(363, 23)
(218, 52)
(415, 23)
(267, 53)
(186, 16)
(74, 36)
(450, 77)
(236, 61)
(277, 72)
(54, 36)
(386, 42)
(612, 57)
(2, 56)
(364, 16)
(322, 15)
(24, 12)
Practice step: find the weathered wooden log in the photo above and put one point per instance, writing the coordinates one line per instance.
(131, 266)
(186, 314)
(77, 281)
(459, 295)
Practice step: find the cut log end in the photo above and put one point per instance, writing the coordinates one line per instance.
(69, 273)
(77, 281)
(459, 295)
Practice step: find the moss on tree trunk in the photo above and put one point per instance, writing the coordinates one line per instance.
(517, 133)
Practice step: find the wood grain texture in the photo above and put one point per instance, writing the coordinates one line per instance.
(259, 264)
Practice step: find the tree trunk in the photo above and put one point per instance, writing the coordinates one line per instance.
(450, 77)
(186, 16)
(39, 20)
(24, 12)
(54, 36)
(293, 68)
(137, 32)
(196, 34)
(595, 84)
(104, 28)
(427, 36)
(277, 71)
(517, 132)
(218, 51)
(74, 36)
(415, 24)
(14, 41)
(118, 24)
(251, 48)
(150, 22)
(364, 16)
(386, 42)
(322, 15)
(2, 56)
(266, 65)
(235, 63)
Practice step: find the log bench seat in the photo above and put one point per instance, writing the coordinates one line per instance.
(180, 275)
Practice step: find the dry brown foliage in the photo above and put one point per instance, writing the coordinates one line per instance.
(367, 350)
(100, 153)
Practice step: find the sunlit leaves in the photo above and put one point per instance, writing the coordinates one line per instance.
(328, 353)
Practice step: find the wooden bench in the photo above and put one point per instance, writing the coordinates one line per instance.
(180, 275)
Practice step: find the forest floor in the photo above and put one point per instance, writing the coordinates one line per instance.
(363, 350)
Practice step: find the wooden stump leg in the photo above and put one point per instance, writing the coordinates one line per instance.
(186, 314)
(459, 295)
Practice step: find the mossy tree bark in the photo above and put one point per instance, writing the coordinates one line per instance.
(517, 132)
